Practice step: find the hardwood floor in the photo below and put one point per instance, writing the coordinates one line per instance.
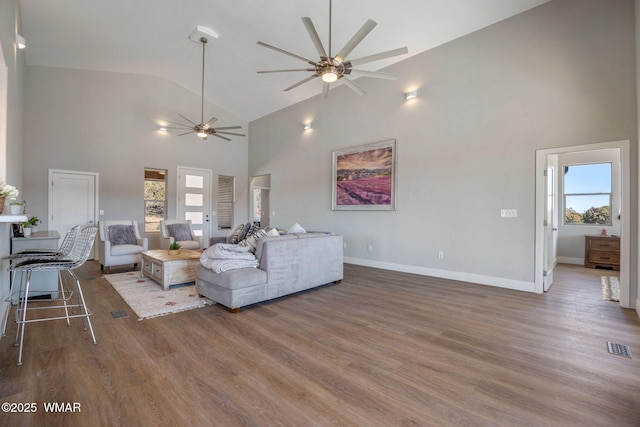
(380, 349)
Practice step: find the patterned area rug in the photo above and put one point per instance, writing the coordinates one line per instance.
(147, 299)
(610, 288)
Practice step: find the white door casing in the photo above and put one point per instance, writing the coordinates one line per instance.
(73, 200)
(194, 200)
(550, 221)
(625, 225)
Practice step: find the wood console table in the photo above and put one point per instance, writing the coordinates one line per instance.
(602, 251)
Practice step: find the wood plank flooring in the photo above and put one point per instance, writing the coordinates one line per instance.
(380, 349)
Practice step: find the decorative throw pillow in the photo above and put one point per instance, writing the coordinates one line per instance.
(273, 232)
(253, 229)
(180, 232)
(252, 239)
(235, 236)
(297, 229)
(121, 234)
(243, 233)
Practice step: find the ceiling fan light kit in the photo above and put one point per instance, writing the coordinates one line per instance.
(204, 129)
(333, 68)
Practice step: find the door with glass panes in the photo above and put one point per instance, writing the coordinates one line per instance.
(194, 200)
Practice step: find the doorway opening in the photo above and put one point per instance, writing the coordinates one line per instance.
(259, 190)
(618, 151)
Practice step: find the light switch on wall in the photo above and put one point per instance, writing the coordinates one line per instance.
(508, 213)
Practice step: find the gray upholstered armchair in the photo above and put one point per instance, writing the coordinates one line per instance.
(120, 243)
(181, 231)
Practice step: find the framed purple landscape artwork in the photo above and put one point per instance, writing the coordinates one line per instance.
(364, 177)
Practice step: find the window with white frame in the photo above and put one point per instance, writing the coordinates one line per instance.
(225, 202)
(587, 194)
(155, 198)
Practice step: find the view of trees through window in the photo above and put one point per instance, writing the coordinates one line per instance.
(155, 198)
(587, 194)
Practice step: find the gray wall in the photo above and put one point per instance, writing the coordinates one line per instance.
(108, 123)
(560, 75)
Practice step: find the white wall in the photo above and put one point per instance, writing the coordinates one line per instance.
(12, 111)
(571, 237)
(560, 75)
(108, 123)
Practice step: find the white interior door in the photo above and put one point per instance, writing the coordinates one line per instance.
(550, 221)
(73, 200)
(194, 200)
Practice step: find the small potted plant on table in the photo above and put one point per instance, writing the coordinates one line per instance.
(33, 222)
(174, 248)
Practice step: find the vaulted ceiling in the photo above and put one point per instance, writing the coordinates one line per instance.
(151, 37)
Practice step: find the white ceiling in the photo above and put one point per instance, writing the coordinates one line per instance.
(151, 37)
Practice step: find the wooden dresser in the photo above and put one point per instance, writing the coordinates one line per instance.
(602, 251)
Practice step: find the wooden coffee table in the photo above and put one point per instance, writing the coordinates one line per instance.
(169, 270)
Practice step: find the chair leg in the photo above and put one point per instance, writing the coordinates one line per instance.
(24, 316)
(64, 298)
(84, 305)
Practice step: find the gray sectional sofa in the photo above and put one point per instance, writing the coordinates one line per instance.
(288, 264)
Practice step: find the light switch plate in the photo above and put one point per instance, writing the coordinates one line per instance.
(508, 213)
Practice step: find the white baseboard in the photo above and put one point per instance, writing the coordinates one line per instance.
(500, 282)
(567, 260)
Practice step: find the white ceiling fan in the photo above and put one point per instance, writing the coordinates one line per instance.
(331, 68)
(204, 129)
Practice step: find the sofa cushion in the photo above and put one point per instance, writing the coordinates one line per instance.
(233, 279)
(121, 234)
(118, 250)
(261, 242)
(179, 231)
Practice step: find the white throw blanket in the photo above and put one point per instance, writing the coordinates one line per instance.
(222, 257)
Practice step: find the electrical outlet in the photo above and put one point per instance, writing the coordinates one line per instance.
(508, 213)
(370, 248)
(440, 254)
(344, 245)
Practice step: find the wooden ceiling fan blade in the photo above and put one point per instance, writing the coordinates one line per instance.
(354, 87)
(376, 57)
(285, 71)
(325, 89)
(301, 82)
(355, 40)
(277, 49)
(220, 136)
(314, 37)
(229, 133)
(211, 120)
(187, 119)
(373, 74)
(179, 128)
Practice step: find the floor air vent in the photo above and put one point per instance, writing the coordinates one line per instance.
(118, 314)
(619, 349)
